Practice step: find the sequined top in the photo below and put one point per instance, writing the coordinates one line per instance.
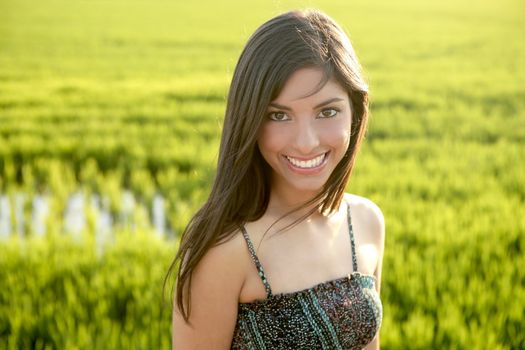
(344, 313)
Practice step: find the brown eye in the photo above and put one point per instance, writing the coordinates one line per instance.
(278, 116)
(328, 113)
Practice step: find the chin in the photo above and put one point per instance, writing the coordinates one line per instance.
(312, 187)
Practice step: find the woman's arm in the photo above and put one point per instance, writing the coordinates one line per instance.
(216, 284)
(377, 231)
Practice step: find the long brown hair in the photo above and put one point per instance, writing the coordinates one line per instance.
(241, 190)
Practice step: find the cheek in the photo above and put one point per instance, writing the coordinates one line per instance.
(272, 139)
(337, 135)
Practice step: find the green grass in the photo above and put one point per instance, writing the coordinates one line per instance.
(104, 94)
(68, 295)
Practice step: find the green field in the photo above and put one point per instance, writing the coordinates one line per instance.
(107, 95)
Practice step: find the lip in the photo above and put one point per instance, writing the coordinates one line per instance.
(308, 171)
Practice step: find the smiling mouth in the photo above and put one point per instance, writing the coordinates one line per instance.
(307, 164)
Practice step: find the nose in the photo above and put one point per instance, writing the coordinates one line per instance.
(306, 137)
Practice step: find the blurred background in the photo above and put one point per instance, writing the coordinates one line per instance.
(110, 118)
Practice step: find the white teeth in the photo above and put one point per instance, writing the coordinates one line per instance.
(311, 163)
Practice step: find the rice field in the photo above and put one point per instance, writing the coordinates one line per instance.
(114, 97)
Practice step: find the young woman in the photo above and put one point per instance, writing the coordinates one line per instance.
(279, 256)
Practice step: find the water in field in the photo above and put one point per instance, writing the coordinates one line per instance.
(13, 220)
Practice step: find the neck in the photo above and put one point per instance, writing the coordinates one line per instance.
(285, 199)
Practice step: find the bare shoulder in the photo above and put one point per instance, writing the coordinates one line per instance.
(233, 247)
(370, 218)
(229, 257)
(225, 262)
(369, 222)
(216, 283)
(222, 263)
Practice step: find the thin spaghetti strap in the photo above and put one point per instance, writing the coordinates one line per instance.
(257, 263)
(351, 231)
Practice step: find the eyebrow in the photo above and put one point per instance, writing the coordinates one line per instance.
(324, 103)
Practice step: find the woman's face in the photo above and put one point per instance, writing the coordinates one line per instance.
(304, 135)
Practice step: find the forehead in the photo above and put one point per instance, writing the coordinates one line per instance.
(306, 83)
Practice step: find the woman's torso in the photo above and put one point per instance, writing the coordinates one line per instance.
(341, 313)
